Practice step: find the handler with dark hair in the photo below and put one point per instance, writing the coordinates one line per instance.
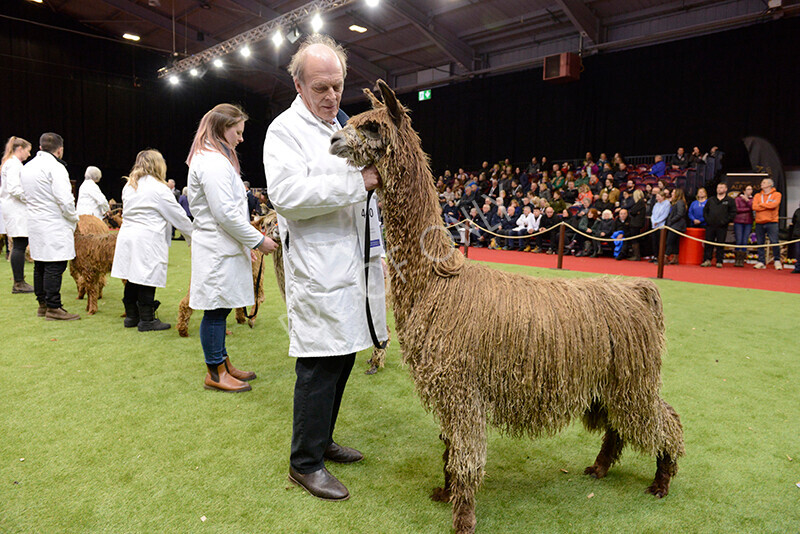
(51, 224)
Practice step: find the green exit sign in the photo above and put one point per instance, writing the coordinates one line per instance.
(425, 95)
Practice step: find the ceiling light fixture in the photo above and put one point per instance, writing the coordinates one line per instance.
(194, 72)
(217, 63)
(357, 28)
(174, 80)
(293, 35)
(373, 3)
(130, 36)
(245, 51)
(277, 38)
(36, 1)
(316, 23)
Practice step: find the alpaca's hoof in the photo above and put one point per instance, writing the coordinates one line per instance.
(251, 323)
(595, 471)
(440, 495)
(659, 490)
(183, 332)
(373, 368)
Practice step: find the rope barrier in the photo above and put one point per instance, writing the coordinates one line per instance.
(728, 245)
(620, 239)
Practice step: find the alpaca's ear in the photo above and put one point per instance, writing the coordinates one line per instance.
(372, 99)
(390, 99)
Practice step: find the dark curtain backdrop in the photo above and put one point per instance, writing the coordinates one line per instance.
(705, 91)
(105, 100)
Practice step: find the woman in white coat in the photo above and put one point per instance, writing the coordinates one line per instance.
(91, 201)
(149, 211)
(222, 240)
(12, 204)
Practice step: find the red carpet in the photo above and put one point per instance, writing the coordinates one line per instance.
(730, 276)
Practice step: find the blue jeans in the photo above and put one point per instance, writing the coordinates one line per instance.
(212, 335)
(770, 230)
(742, 231)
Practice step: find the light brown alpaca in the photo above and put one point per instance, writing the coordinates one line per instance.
(262, 224)
(531, 367)
(94, 254)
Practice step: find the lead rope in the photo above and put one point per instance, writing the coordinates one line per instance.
(378, 344)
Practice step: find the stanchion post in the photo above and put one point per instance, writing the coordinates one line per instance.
(466, 239)
(662, 247)
(561, 233)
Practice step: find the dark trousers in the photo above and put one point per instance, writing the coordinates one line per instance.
(18, 258)
(717, 234)
(212, 335)
(673, 242)
(317, 396)
(762, 232)
(47, 281)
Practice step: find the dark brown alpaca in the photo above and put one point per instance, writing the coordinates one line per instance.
(525, 373)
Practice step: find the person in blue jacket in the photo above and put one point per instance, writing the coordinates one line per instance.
(696, 218)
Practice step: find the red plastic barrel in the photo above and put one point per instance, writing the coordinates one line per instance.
(691, 252)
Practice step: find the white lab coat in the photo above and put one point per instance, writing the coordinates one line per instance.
(222, 275)
(148, 214)
(320, 203)
(12, 199)
(91, 201)
(50, 208)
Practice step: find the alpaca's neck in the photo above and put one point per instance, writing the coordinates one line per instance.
(418, 245)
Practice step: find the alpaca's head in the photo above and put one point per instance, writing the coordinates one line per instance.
(371, 136)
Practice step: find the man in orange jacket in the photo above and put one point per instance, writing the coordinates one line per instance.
(766, 205)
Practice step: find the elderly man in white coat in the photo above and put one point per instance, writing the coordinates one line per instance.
(91, 201)
(51, 224)
(15, 216)
(320, 205)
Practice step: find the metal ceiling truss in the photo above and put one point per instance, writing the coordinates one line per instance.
(259, 33)
(582, 18)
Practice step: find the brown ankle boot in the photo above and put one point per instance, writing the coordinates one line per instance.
(60, 314)
(22, 287)
(42, 311)
(238, 373)
(218, 378)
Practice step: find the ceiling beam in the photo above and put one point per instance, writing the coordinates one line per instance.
(443, 38)
(257, 8)
(582, 18)
(165, 23)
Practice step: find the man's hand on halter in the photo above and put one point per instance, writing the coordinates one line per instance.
(371, 177)
(267, 246)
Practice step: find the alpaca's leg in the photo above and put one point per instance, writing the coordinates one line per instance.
(240, 317)
(75, 274)
(91, 283)
(376, 361)
(609, 453)
(443, 494)
(672, 448)
(100, 285)
(184, 313)
(466, 460)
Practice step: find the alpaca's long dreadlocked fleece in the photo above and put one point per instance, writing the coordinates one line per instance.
(526, 355)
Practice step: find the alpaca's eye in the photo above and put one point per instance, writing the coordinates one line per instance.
(371, 127)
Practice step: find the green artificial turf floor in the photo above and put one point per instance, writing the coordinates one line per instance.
(118, 435)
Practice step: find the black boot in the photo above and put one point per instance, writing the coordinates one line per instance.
(131, 314)
(147, 319)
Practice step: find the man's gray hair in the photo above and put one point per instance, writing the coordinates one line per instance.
(93, 173)
(299, 57)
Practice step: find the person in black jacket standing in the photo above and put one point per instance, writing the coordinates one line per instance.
(718, 212)
(637, 216)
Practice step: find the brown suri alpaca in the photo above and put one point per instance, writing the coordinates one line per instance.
(526, 373)
(262, 224)
(94, 255)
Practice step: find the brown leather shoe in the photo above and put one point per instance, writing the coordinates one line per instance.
(238, 373)
(343, 455)
(219, 379)
(321, 484)
(60, 314)
(41, 311)
(22, 287)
